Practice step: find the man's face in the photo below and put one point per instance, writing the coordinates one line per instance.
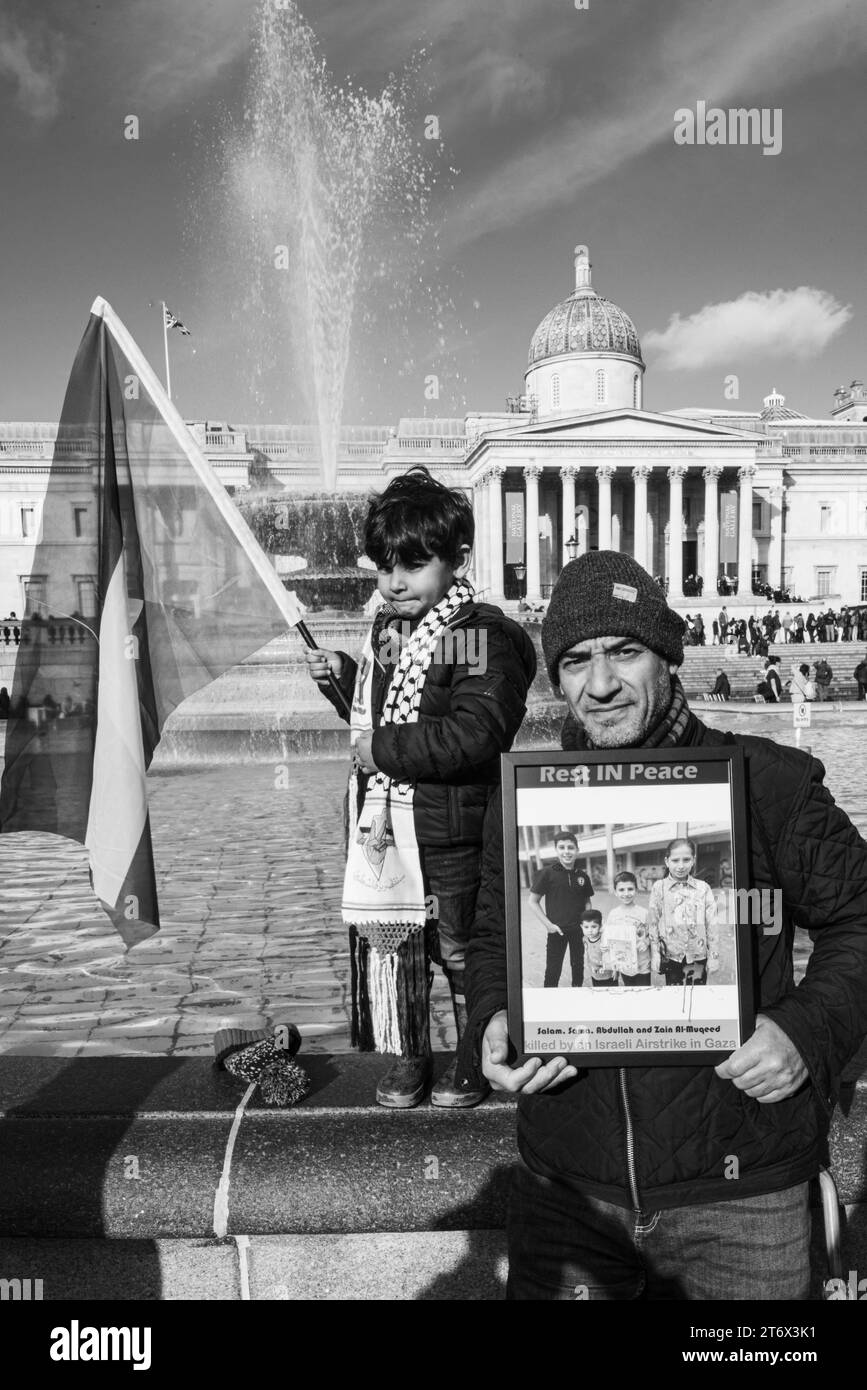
(567, 852)
(625, 892)
(616, 688)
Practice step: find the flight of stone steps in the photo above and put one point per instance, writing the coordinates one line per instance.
(701, 664)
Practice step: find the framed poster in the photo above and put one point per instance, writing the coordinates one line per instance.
(629, 919)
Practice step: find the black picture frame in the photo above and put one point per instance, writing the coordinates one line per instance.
(630, 796)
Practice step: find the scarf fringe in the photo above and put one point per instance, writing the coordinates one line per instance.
(390, 996)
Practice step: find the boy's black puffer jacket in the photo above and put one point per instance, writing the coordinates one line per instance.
(470, 712)
(688, 1123)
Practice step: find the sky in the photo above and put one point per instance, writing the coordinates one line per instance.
(556, 127)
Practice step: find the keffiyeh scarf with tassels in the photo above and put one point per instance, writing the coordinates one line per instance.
(383, 890)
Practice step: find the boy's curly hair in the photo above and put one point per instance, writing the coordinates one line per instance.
(416, 519)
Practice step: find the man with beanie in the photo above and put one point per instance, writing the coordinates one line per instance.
(686, 1182)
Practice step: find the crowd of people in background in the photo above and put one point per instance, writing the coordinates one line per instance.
(45, 708)
(727, 585)
(754, 635)
(806, 682)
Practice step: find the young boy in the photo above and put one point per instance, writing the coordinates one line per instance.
(624, 936)
(566, 891)
(437, 696)
(597, 965)
(681, 920)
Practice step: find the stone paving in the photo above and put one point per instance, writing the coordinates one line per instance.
(249, 875)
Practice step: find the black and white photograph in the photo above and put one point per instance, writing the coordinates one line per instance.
(399, 398)
(628, 930)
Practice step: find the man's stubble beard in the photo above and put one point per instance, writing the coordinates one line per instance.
(631, 733)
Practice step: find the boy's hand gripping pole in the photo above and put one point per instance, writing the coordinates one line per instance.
(304, 633)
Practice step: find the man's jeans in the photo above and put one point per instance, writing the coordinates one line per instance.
(565, 1245)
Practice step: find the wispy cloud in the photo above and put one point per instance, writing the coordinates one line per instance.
(488, 62)
(777, 323)
(35, 62)
(496, 83)
(151, 57)
(686, 53)
(184, 47)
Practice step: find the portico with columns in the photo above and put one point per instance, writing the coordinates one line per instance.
(650, 485)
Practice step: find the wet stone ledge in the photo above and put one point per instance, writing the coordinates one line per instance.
(136, 1148)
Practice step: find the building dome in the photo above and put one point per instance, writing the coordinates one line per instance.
(586, 322)
(776, 408)
(585, 355)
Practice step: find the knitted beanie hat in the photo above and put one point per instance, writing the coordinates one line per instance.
(607, 594)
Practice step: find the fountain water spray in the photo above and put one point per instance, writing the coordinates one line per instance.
(316, 168)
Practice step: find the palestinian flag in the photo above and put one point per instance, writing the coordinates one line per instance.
(182, 592)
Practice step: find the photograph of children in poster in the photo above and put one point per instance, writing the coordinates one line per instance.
(623, 934)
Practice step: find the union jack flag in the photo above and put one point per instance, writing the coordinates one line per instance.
(172, 321)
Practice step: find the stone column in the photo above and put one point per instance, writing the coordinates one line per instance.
(568, 474)
(775, 549)
(495, 519)
(640, 474)
(712, 475)
(604, 473)
(745, 533)
(480, 548)
(532, 474)
(676, 475)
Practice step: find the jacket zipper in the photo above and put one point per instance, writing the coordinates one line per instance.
(630, 1142)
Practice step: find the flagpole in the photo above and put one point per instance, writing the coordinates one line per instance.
(166, 346)
(205, 473)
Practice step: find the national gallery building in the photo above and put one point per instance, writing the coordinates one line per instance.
(575, 462)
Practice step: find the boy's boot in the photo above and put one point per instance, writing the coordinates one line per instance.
(447, 1092)
(404, 1084)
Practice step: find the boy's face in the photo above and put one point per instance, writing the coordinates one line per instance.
(592, 930)
(680, 861)
(414, 590)
(625, 892)
(567, 852)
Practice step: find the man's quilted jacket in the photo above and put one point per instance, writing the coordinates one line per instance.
(686, 1124)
